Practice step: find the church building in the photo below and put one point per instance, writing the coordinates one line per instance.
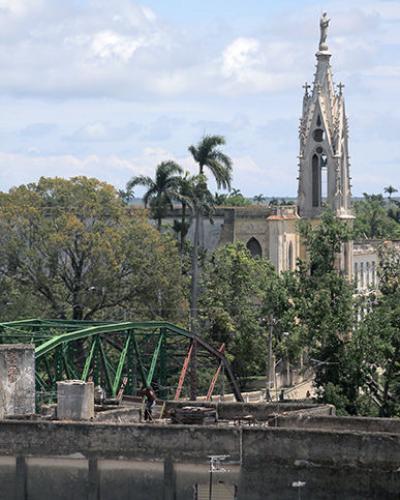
(323, 182)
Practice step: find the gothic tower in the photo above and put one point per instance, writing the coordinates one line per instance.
(324, 168)
(324, 179)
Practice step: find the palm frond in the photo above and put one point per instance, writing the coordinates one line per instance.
(139, 180)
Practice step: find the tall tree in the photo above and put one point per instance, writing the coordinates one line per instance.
(161, 191)
(390, 190)
(76, 251)
(186, 195)
(380, 335)
(236, 290)
(324, 305)
(260, 199)
(207, 154)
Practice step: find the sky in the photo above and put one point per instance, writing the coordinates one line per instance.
(109, 89)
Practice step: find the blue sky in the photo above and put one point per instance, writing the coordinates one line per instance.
(111, 88)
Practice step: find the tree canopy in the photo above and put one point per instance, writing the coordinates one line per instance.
(76, 251)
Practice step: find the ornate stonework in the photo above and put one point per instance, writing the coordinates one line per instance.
(324, 179)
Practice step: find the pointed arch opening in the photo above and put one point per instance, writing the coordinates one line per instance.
(290, 257)
(254, 247)
(316, 181)
(319, 168)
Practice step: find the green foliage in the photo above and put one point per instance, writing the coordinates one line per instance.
(380, 336)
(323, 301)
(76, 251)
(259, 199)
(390, 190)
(161, 192)
(208, 154)
(233, 199)
(373, 220)
(235, 288)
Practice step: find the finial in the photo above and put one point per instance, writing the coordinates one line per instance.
(340, 86)
(306, 86)
(324, 24)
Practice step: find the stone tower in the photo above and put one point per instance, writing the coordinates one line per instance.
(324, 179)
(324, 175)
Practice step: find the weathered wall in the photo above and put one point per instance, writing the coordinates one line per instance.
(360, 424)
(260, 411)
(229, 225)
(332, 464)
(163, 462)
(251, 222)
(75, 400)
(111, 440)
(17, 379)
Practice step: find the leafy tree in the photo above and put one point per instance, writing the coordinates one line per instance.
(77, 252)
(390, 190)
(207, 154)
(235, 289)
(187, 196)
(324, 309)
(259, 199)
(381, 339)
(233, 199)
(161, 191)
(372, 220)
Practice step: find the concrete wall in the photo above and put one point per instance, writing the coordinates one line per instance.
(17, 379)
(359, 424)
(260, 411)
(163, 462)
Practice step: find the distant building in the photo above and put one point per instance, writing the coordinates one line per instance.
(324, 181)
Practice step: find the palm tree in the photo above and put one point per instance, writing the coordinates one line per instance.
(260, 199)
(161, 191)
(185, 196)
(206, 153)
(390, 190)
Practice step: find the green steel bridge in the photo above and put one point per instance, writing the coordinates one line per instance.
(121, 357)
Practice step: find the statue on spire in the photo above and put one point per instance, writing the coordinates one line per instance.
(324, 24)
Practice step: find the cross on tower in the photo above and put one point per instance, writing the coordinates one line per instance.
(306, 86)
(340, 86)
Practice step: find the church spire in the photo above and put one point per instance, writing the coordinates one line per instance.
(324, 162)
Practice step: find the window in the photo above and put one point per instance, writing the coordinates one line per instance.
(367, 282)
(316, 182)
(373, 273)
(290, 257)
(318, 135)
(356, 274)
(254, 247)
(362, 275)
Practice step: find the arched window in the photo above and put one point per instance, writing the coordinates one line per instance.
(362, 275)
(345, 259)
(373, 272)
(356, 274)
(290, 257)
(316, 182)
(254, 247)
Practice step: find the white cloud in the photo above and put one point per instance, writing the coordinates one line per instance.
(108, 45)
(241, 54)
(19, 7)
(251, 65)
